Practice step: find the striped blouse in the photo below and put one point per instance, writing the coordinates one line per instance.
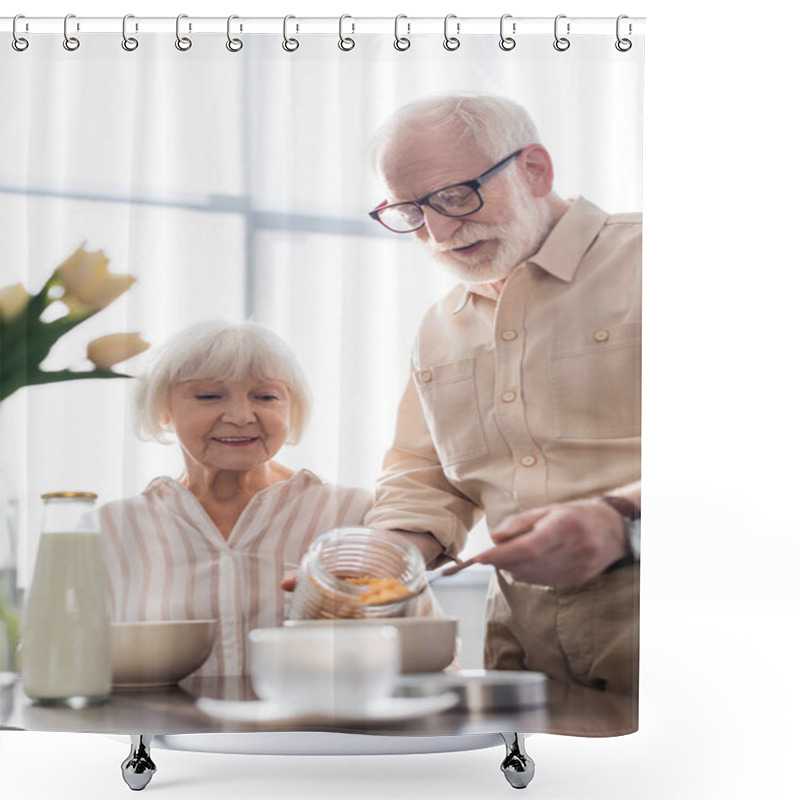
(167, 559)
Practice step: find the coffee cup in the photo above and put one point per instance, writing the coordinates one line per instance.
(324, 670)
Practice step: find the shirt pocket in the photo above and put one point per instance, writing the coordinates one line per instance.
(450, 404)
(596, 382)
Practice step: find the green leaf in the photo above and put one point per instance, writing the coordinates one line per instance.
(8, 387)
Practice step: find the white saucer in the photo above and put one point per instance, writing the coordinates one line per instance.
(388, 710)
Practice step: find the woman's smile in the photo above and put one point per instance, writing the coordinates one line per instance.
(235, 441)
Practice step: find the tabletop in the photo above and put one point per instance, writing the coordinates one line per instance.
(551, 708)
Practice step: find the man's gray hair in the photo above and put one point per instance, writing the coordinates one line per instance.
(218, 350)
(498, 126)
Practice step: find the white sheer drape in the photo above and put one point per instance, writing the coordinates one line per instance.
(236, 185)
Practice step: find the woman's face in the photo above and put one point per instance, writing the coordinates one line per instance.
(229, 425)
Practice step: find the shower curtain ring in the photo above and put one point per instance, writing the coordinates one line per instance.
(506, 42)
(70, 42)
(183, 43)
(401, 42)
(561, 43)
(234, 45)
(451, 42)
(345, 42)
(623, 45)
(289, 44)
(18, 42)
(129, 43)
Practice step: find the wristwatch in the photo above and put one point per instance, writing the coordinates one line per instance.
(631, 514)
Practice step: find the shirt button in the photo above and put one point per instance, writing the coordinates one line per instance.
(601, 336)
(426, 376)
(527, 461)
(508, 397)
(509, 336)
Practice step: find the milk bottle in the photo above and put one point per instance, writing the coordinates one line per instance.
(66, 648)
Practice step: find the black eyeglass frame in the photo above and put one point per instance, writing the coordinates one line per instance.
(475, 185)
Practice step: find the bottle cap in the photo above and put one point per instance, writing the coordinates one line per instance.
(82, 495)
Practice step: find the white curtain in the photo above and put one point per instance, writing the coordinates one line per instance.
(236, 185)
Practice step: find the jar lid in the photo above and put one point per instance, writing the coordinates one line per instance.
(71, 495)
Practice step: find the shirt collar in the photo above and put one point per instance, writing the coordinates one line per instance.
(301, 476)
(561, 252)
(569, 240)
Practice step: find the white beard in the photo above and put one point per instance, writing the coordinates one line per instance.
(507, 245)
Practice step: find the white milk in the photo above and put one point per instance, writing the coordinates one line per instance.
(66, 648)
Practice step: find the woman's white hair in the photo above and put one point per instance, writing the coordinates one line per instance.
(220, 351)
(497, 125)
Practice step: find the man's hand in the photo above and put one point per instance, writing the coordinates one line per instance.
(567, 543)
(427, 544)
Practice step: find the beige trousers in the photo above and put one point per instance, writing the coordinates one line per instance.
(587, 635)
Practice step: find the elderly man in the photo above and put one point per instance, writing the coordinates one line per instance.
(524, 397)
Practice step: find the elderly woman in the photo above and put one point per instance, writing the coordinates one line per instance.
(212, 544)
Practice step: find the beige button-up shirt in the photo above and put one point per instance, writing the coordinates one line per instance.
(527, 398)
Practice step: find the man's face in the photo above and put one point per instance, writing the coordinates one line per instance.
(486, 245)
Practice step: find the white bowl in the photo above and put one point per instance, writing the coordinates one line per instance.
(427, 644)
(159, 653)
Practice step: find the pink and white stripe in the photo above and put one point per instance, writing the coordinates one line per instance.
(167, 560)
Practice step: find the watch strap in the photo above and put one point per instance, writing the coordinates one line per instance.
(626, 508)
(631, 513)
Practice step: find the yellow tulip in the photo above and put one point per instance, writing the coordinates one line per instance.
(114, 348)
(13, 300)
(88, 285)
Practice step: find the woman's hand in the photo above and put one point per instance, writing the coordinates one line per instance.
(289, 583)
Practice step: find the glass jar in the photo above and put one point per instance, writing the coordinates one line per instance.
(66, 637)
(322, 591)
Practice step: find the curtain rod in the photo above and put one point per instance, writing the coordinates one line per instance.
(404, 25)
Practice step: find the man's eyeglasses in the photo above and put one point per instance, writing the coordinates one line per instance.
(457, 200)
